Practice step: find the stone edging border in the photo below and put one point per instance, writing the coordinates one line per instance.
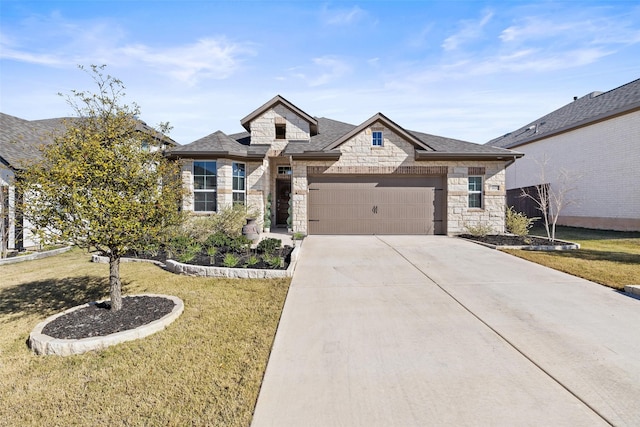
(633, 290)
(105, 260)
(37, 255)
(565, 246)
(45, 344)
(205, 271)
(235, 273)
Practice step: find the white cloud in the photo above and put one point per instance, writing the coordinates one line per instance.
(207, 58)
(325, 70)
(342, 16)
(469, 30)
(56, 42)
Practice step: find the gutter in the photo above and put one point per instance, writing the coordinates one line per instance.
(430, 155)
(213, 154)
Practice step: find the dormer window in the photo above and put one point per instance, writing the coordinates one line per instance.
(376, 138)
(281, 131)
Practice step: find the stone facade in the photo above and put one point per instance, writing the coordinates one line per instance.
(358, 156)
(396, 154)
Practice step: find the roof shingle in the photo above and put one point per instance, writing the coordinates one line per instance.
(583, 111)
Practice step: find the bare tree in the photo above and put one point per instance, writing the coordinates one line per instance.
(551, 197)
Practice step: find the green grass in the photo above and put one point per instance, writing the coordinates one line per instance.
(204, 369)
(611, 258)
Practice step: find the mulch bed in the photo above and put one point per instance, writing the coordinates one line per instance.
(507, 240)
(218, 260)
(98, 320)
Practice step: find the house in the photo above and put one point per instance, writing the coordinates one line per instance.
(20, 143)
(328, 177)
(596, 140)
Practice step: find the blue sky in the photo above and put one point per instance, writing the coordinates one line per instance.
(471, 70)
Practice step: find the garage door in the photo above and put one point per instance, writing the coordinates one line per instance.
(376, 205)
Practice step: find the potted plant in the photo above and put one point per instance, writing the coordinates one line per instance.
(267, 215)
(290, 212)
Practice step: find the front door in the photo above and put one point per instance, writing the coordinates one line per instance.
(283, 194)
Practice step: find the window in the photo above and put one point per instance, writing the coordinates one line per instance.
(281, 130)
(204, 186)
(376, 140)
(284, 170)
(239, 183)
(475, 192)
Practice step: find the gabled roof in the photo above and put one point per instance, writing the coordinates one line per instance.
(584, 111)
(313, 123)
(383, 120)
(327, 137)
(219, 144)
(332, 133)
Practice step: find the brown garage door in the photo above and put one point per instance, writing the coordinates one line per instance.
(376, 205)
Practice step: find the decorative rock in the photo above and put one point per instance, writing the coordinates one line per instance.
(44, 344)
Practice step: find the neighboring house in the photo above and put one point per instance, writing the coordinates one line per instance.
(595, 139)
(371, 178)
(20, 143)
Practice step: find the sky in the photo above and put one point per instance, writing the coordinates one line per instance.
(470, 70)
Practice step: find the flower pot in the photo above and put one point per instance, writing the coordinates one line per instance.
(250, 230)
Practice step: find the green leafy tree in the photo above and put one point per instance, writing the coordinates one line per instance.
(104, 182)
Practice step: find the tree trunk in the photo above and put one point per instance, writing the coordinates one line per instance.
(115, 286)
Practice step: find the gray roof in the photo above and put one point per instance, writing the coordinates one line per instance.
(590, 108)
(327, 136)
(21, 139)
(218, 143)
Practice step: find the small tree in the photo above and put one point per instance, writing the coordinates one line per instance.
(101, 183)
(552, 198)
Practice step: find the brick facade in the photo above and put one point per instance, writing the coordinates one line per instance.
(602, 159)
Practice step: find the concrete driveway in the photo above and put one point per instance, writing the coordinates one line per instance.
(432, 331)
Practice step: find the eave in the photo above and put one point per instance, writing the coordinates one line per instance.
(214, 155)
(628, 109)
(423, 155)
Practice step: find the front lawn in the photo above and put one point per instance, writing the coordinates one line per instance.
(204, 369)
(611, 258)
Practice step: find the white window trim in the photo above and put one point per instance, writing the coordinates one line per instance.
(373, 132)
(193, 178)
(476, 192)
(243, 191)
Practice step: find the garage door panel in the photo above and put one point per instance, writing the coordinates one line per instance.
(375, 205)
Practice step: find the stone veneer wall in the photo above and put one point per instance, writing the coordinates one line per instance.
(256, 180)
(263, 129)
(358, 156)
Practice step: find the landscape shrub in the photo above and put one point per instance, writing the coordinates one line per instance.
(178, 244)
(230, 260)
(252, 260)
(189, 253)
(273, 261)
(518, 223)
(269, 246)
(479, 230)
(218, 240)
